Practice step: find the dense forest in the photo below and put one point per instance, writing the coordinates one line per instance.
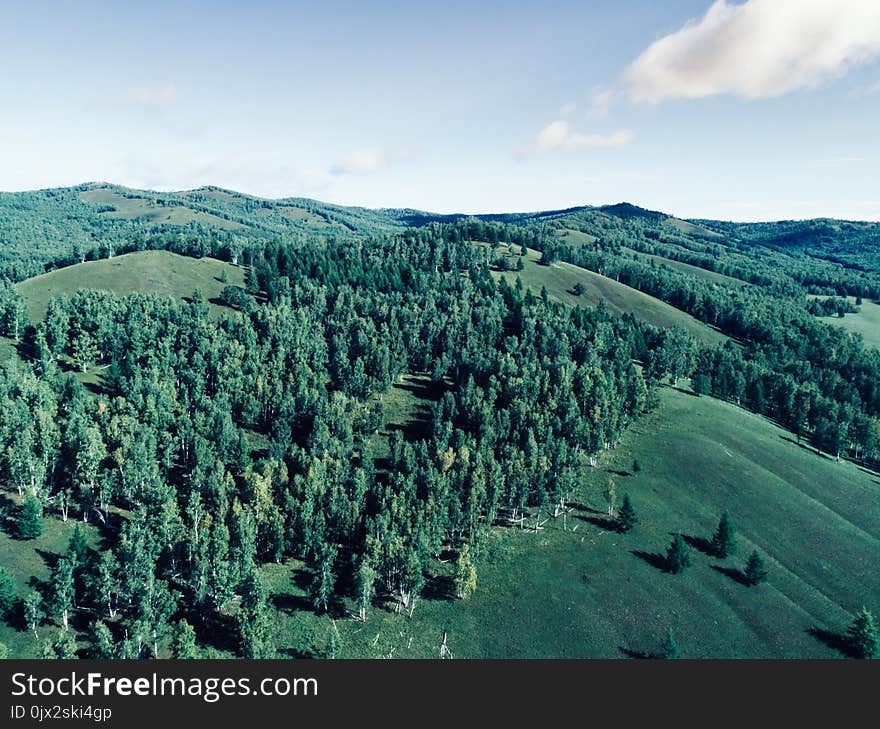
(213, 445)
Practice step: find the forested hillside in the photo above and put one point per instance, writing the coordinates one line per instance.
(237, 414)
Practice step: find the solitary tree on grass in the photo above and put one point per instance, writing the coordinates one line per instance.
(862, 634)
(29, 524)
(677, 556)
(724, 541)
(756, 570)
(626, 517)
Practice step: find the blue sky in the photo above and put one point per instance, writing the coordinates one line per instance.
(763, 109)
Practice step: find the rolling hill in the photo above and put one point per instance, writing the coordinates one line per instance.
(560, 279)
(160, 272)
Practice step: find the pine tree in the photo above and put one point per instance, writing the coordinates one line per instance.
(756, 571)
(668, 648)
(29, 524)
(465, 573)
(677, 556)
(626, 517)
(724, 540)
(862, 635)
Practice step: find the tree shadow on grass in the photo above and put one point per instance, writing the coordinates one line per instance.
(50, 558)
(298, 653)
(698, 543)
(733, 573)
(609, 525)
(654, 559)
(807, 447)
(440, 587)
(637, 655)
(290, 604)
(837, 641)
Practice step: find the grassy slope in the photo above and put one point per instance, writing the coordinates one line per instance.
(689, 269)
(136, 207)
(575, 237)
(866, 322)
(160, 272)
(585, 593)
(685, 226)
(561, 277)
(30, 563)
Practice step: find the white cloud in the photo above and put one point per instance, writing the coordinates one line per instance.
(558, 136)
(602, 99)
(154, 98)
(860, 91)
(361, 162)
(757, 49)
(568, 108)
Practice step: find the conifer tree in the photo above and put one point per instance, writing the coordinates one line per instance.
(677, 556)
(29, 524)
(626, 517)
(756, 570)
(724, 540)
(862, 635)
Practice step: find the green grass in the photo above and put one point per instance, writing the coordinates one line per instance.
(866, 322)
(560, 278)
(129, 208)
(689, 269)
(691, 228)
(160, 272)
(584, 593)
(29, 562)
(405, 407)
(575, 237)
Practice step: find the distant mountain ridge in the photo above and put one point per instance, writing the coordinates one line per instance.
(47, 228)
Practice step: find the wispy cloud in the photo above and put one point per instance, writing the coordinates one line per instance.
(369, 160)
(602, 99)
(869, 90)
(757, 49)
(361, 162)
(153, 98)
(568, 108)
(559, 136)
